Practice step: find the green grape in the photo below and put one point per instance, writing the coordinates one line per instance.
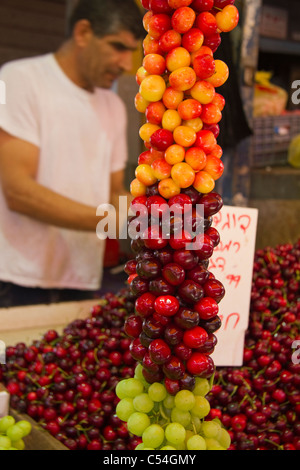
(3, 448)
(195, 425)
(201, 408)
(189, 433)
(184, 400)
(140, 447)
(143, 403)
(133, 387)
(120, 389)
(157, 392)
(213, 444)
(20, 444)
(153, 436)
(210, 429)
(5, 423)
(169, 402)
(181, 417)
(201, 387)
(137, 423)
(175, 433)
(25, 426)
(12, 448)
(138, 374)
(168, 448)
(196, 442)
(224, 438)
(125, 408)
(14, 433)
(5, 442)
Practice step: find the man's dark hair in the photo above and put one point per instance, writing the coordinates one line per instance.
(108, 17)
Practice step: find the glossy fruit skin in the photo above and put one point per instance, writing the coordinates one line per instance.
(179, 296)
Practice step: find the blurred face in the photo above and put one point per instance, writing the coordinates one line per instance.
(102, 60)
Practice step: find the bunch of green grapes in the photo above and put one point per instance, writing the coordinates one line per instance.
(12, 434)
(169, 422)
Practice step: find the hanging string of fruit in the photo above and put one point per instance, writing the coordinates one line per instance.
(172, 329)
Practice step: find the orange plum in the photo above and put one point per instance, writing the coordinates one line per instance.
(154, 112)
(137, 188)
(203, 91)
(195, 124)
(214, 166)
(206, 141)
(221, 74)
(147, 130)
(196, 158)
(172, 98)
(192, 40)
(184, 136)
(174, 154)
(169, 40)
(228, 18)
(177, 58)
(211, 114)
(204, 182)
(183, 19)
(183, 174)
(154, 64)
(182, 79)
(140, 103)
(152, 88)
(144, 174)
(161, 169)
(167, 188)
(171, 119)
(190, 109)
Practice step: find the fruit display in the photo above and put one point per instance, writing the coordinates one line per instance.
(176, 310)
(66, 382)
(167, 421)
(259, 403)
(12, 433)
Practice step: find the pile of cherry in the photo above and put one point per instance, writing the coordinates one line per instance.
(259, 403)
(66, 382)
(175, 318)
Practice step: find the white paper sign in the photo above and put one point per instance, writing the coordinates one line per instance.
(232, 264)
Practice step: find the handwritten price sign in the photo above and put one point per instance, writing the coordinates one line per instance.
(232, 264)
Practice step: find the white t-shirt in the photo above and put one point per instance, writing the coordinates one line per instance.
(82, 139)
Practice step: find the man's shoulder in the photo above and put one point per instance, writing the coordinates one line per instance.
(26, 64)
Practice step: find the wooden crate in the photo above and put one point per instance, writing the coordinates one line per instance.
(38, 439)
(25, 324)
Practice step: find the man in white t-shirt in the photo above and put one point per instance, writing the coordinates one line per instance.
(63, 152)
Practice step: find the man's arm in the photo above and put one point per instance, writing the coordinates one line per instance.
(18, 170)
(118, 189)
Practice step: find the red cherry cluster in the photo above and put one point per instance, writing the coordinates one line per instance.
(259, 403)
(176, 297)
(67, 382)
(176, 305)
